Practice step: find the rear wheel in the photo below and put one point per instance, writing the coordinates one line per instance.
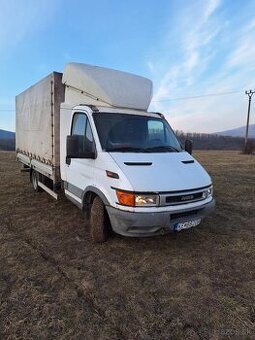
(35, 180)
(98, 221)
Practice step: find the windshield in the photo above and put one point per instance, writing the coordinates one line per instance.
(133, 133)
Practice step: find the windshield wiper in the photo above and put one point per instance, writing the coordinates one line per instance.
(165, 148)
(127, 149)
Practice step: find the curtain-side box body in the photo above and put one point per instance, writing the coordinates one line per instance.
(38, 122)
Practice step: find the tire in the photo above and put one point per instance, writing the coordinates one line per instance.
(34, 180)
(98, 219)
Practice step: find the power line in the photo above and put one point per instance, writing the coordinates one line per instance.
(198, 96)
(172, 99)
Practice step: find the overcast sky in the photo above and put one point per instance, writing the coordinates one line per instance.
(191, 48)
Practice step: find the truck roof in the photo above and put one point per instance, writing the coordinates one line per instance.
(107, 109)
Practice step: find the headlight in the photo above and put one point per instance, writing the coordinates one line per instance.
(208, 192)
(137, 200)
(146, 200)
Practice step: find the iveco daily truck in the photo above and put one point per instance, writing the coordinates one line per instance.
(88, 133)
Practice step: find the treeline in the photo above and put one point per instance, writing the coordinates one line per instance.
(201, 141)
(7, 144)
(206, 141)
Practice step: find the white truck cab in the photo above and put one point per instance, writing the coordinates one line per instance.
(121, 163)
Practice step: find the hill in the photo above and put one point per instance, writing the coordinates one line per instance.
(7, 140)
(239, 132)
(6, 134)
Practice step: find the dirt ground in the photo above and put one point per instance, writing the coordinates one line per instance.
(198, 284)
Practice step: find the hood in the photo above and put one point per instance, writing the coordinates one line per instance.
(169, 171)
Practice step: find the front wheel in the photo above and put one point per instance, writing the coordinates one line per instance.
(98, 221)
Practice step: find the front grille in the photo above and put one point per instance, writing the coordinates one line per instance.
(184, 198)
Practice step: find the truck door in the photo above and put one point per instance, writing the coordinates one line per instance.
(79, 171)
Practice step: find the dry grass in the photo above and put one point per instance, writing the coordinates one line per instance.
(199, 284)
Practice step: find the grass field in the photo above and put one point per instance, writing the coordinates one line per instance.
(198, 284)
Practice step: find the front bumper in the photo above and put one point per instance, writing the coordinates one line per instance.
(138, 224)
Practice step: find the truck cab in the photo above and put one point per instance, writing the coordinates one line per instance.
(133, 164)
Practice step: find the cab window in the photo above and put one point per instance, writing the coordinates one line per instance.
(81, 127)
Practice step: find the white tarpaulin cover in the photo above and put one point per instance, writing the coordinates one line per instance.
(37, 119)
(102, 86)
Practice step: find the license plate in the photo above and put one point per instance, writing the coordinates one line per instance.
(187, 224)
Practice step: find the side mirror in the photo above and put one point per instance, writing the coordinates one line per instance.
(188, 146)
(79, 147)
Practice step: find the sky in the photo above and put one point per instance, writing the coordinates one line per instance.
(200, 54)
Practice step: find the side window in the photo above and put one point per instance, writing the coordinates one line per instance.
(81, 128)
(79, 124)
(89, 132)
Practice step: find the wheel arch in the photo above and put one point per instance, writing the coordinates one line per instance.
(90, 193)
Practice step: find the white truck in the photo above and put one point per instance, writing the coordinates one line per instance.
(88, 133)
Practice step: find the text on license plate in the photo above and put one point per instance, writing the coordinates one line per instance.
(187, 224)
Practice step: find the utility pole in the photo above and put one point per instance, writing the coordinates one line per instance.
(249, 94)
